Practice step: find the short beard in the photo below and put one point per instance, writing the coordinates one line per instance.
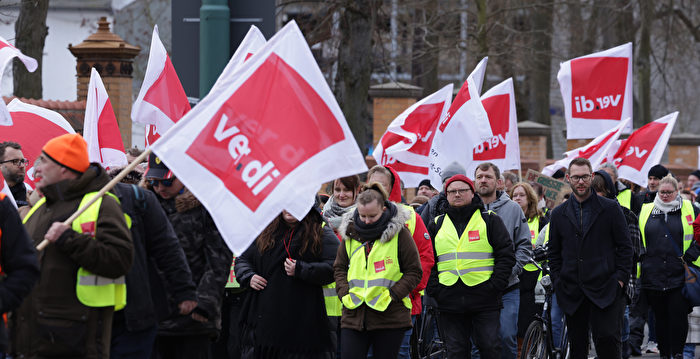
(15, 177)
(486, 194)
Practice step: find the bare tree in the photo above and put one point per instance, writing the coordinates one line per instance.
(30, 35)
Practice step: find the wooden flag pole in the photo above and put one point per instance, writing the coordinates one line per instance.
(101, 193)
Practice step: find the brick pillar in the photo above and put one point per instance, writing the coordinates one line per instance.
(683, 154)
(113, 58)
(533, 145)
(388, 101)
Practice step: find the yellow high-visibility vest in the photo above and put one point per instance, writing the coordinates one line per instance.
(625, 198)
(93, 290)
(534, 225)
(469, 258)
(687, 218)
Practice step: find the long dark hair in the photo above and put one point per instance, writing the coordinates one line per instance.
(309, 228)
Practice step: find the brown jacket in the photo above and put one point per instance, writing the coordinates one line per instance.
(52, 322)
(396, 315)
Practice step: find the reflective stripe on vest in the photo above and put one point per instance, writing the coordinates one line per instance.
(469, 258)
(93, 290)
(534, 225)
(687, 217)
(371, 276)
(625, 198)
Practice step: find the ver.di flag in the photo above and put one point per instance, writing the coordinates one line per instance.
(32, 127)
(597, 91)
(263, 144)
(405, 145)
(595, 151)
(503, 148)
(465, 124)
(100, 128)
(162, 100)
(7, 53)
(644, 149)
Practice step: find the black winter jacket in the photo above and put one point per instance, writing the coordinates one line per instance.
(155, 243)
(460, 298)
(209, 260)
(661, 268)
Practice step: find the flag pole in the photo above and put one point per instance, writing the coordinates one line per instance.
(101, 193)
(520, 173)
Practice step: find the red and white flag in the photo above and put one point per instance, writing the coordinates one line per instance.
(253, 41)
(503, 148)
(162, 100)
(265, 143)
(595, 151)
(597, 91)
(465, 124)
(479, 73)
(4, 188)
(7, 53)
(100, 128)
(32, 127)
(644, 149)
(405, 145)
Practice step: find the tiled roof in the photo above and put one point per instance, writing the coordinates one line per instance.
(72, 111)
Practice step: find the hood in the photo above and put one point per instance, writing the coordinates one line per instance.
(186, 201)
(92, 180)
(395, 194)
(501, 199)
(609, 185)
(347, 230)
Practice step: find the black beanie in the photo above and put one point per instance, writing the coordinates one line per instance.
(696, 173)
(658, 171)
(425, 182)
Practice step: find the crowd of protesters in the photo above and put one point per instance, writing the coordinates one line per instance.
(144, 272)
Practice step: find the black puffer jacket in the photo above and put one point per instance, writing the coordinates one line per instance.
(460, 298)
(209, 260)
(154, 241)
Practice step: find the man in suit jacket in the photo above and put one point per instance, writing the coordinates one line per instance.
(590, 256)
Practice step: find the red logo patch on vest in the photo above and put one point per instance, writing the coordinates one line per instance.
(474, 236)
(532, 233)
(88, 228)
(689, 218)
(379, 266)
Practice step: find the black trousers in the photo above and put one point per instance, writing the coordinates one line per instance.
(185, 347)
(671, 313)
(605, 325)
(385, 343)
(639, 310)
(528, 308)
(458, 328)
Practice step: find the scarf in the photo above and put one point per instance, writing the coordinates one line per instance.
(333, 212)
(666, 207)
(373, 231)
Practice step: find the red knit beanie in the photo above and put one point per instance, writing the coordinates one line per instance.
(462, 178)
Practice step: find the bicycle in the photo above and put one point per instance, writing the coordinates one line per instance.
(538, 342)
(426, 342)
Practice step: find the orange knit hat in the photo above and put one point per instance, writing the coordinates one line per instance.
(69, 150)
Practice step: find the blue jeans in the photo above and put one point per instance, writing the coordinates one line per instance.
(689, 351)
(557, 322)
(508, 330)
(405, 349)
(626, 325)
(126, 344)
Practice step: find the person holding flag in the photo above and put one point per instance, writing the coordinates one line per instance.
(290, 259)
(69, 312)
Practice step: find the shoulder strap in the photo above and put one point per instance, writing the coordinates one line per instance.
(139, 197)
(670, 238)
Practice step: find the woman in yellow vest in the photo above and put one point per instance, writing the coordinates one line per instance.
(667, 232)
(284, 315)
(524, 195)
(376, 268)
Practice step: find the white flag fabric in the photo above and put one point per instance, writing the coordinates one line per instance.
(644, 149)
(7, 53)
(465, 124)
(503, 148)
(597, 91)
(32, 127)
(4, 188)
(595, 151)
(100, 128)
(253, 41)
(479, 73)
(264, 143)
(405, 145)
(162, 100)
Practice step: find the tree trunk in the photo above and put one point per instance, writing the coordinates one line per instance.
(424, 69)
(643, 113)
(541, 49)
(481, 30)
(355, 67)
(30, 34)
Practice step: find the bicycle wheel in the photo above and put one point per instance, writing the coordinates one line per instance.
(534, 343)
(565, 350)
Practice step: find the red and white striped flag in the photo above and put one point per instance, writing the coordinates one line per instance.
(162, 100)
(100, 128)
(7, 53)
(595, 151)
(405, 145)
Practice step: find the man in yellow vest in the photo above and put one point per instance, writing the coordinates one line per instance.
(473, 260)
(69, 313)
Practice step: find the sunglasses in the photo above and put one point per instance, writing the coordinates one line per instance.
(164, 182)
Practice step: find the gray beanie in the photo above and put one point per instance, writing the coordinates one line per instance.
(452, 169)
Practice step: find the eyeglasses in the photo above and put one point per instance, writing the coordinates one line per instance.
(576, 179)
(461, 192)
(164, 182)
(18, 162)
(666, 193)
